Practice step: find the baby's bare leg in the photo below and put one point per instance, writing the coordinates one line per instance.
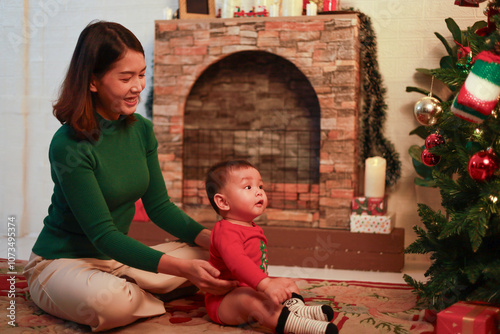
(245, 305)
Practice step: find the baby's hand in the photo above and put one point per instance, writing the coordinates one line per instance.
(289, 284)
(277, 289)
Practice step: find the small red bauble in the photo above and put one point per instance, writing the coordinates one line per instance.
(434, 139)
(429, 159)
(483, 165)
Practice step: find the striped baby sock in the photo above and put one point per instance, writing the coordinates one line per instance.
(290, 322)
(318, 312)
(479, 94)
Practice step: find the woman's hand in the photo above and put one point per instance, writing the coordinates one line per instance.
(205, 277)
(199, 272)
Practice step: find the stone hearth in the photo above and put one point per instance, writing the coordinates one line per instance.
(281, 92)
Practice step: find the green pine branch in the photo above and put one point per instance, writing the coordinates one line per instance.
(452, 77)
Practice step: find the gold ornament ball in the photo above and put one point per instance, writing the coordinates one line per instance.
(427, 110)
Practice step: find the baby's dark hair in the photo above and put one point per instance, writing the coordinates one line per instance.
(217, 177)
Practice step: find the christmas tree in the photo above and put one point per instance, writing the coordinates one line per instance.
(462, 149)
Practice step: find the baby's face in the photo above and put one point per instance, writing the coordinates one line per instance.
(245, 194)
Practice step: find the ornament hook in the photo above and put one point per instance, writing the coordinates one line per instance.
(432, 85)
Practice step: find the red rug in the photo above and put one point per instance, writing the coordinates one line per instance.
(360, 307)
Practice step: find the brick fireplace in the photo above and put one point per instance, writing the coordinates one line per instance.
(281, 92)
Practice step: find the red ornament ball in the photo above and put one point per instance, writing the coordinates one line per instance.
(429, 159)
(483, 165)
(434, 139)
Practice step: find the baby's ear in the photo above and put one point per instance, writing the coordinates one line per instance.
(221, 202)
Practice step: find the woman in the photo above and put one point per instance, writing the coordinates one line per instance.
(104, 158)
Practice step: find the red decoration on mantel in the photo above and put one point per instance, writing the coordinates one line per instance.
(260, 12)
(468, 3)
(329, 5)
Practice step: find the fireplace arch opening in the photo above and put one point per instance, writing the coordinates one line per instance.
(257, 106)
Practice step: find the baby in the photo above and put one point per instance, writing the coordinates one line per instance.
(238, 250)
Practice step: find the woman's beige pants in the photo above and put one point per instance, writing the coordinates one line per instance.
(103, 294)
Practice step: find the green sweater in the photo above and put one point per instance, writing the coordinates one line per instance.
(96, 185)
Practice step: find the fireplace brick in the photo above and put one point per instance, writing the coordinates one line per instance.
(295, 26)
(297, 36)
(191, 50)
(165, 26)
(326, 168)
(268, 42)
(249, 34)
(342, 193)
(181, 41)
(163, 90)
(165, 111)
(179, 60)
(268, 34)
(287, 187)
(308, 46)
(309, 197)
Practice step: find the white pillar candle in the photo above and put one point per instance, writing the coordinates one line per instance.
(375, 177)
(274, 10)
(291, 7)
(311, 9)
(168, 13)
(227, 9)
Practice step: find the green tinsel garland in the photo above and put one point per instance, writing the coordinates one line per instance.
(373, 113)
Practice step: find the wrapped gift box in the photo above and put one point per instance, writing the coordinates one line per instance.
(369, 205)
(372, 224)
(468, 317)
